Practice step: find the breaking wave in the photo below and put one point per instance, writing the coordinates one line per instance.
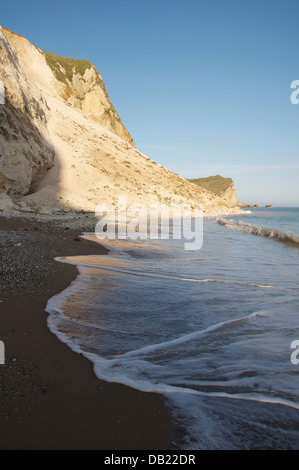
(273, 234)
(210, 330)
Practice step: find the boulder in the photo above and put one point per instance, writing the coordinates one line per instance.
(6, 204)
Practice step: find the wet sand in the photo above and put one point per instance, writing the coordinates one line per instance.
(49, 395)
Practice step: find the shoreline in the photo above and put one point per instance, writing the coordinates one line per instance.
(50, 396)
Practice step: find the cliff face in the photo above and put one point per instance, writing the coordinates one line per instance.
(222, 187)
(81, 85)
(25, 149)
(62, 143)
(77, 82)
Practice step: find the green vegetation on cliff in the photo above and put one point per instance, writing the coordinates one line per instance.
(215, 184)
(64, 67)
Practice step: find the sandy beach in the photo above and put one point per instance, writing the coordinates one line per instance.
(50, 397)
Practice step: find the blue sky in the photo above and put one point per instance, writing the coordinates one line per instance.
(203, 86)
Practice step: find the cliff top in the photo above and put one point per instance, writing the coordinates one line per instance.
(64, 67)
(215, 184)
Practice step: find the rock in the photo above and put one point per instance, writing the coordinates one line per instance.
(27, 210)
(43, 211)
(250, 206)
(6, 204)
(22, 207)
(269, 206)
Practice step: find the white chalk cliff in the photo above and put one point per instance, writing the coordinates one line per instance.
(63, 145)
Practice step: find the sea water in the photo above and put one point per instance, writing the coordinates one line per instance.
(210, 329)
